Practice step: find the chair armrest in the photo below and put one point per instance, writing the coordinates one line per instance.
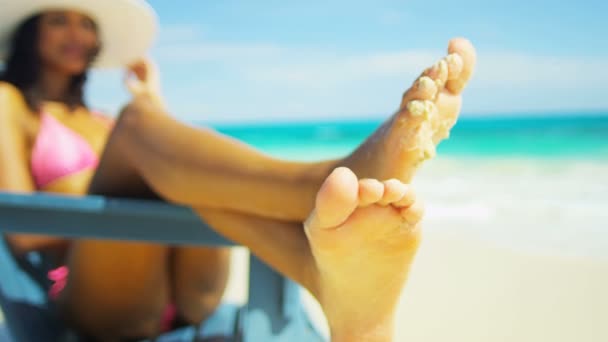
(97, 217)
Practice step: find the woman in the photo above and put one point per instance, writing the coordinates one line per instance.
(56, 148)
(50, 141)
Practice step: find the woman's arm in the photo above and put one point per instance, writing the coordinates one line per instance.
(15, 175)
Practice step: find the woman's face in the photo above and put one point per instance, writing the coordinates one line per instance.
(67, 42)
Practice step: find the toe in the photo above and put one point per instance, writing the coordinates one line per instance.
(337, 198)
(407, 200)
(370, 191)
(413, 214)
(439, 73)
(455, 65)
(430, 83)
(466, 51)
(424, 88)
(423, 109)
(426, 111)
(394, 190)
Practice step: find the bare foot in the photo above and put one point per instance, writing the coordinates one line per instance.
(428, 111)
(363, 236)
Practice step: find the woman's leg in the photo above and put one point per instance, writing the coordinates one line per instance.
(116, 289)
(353, 253)
(282, 245)
(357, 228)
(207, 177)
(199, 279)
(201, 168)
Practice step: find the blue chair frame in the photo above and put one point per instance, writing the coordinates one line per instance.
(273, 313)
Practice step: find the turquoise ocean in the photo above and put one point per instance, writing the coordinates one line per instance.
(562, 135)
(537, 181)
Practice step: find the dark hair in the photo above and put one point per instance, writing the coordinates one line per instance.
(23, 66)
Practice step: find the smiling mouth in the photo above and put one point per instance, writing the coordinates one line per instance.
(74, 50)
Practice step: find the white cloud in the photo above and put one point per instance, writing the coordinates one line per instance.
(493, 69)
(347, 68)
(268, 80)
(209, 51)
(178, 33)
(521, 69)
(299, 66)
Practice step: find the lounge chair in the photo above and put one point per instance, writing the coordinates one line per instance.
(273, 313)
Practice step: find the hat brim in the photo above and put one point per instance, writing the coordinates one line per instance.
(127, 28)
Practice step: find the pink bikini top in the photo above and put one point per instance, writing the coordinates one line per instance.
(59, 152)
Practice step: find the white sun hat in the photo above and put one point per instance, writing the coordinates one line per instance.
(127, 28)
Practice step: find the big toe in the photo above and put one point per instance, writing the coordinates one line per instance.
(337, 198)
(463, 48)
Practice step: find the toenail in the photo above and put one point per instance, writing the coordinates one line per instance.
(443, 66)
(416, 107)
(454, 59)
(443, 73)
(421, 108)
(426, 84)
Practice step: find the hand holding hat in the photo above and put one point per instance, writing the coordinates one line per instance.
(143, 79)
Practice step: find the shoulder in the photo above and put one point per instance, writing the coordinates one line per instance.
(11, 97)
(8, 90)
(12, 102)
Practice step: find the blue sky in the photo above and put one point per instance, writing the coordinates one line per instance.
(286, 60)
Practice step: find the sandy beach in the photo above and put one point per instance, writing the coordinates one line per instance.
(466, 290)
(507, 255)
(462, 289)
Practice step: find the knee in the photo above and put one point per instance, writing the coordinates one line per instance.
(196, 298)
(130, 115)
(197, 307)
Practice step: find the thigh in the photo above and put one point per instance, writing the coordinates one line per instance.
(116, 177)
(116, 288)
(282, 245)
(199, 279)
